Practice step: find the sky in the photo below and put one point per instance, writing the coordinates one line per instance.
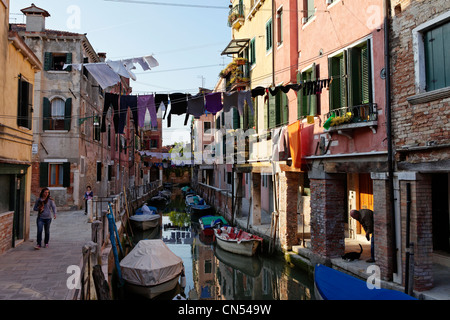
(185, 36)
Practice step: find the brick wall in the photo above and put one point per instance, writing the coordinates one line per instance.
(423, 122)
(288, 195)
(420, 231)
(327, 217)
(6, 225)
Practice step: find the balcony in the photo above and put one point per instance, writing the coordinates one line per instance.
(236, 74)
(345, 120)
(236, 17)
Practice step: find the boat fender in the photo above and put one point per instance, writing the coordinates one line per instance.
(183, 279)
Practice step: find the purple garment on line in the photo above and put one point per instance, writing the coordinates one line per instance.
(213, 102)
(147, 103)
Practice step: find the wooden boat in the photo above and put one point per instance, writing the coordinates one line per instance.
(193, 200)
(208, 223)
(145, 221)
(250, 266)
(200, 209)
(331, 284)
(237, 241)
(151, 269)
(158, 201)
(166, 194)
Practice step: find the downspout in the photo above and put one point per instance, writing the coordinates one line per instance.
(387, 5)
(273, 43)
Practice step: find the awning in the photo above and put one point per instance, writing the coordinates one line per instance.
(236, 46)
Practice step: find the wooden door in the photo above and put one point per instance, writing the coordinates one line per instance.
(365, 196)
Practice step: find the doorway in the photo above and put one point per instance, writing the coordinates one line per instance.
(440, 212)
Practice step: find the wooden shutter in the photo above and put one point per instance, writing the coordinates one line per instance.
(299, 97)
(25, 94)
(47, 114)
(43, 175)
(69, 61)
(272, 115)
(343, 80)
(99, 171)
(48, 61)
(68, 114)
(284, 108)
(236, 119)
(312, 106)
(366, 76)
(354, 76)
(66, 173)
(436, 43)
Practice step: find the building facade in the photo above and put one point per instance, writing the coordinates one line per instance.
(19, 66)
(420, 95)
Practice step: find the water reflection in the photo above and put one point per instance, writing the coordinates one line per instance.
(215, 274)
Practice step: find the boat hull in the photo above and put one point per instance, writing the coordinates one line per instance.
(244, 247)
(331, 284)
(151, 292)
(144, 223)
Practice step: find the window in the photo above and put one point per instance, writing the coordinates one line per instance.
(269, 39)
(56, 174)
(278, 110)
(153, 143)
(352, 77)
(25, 103)
(99, 171)
(55, 61)
(280, 26)
(206, 127)
(309, 10)
(97, 128)
(307, 104)
(252, 52)
(437, 61)
(57, 114)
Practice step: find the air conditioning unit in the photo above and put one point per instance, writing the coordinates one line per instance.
(329, 1)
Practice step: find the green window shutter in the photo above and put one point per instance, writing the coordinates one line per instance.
(251, 116)
(312, 107)
(236, 119)
(266, 112)
(366, 76)
(66, 174)
(68, 114)
(25, 98)
(278, 108)
(299, 97)
(218, 122)
(272, 113)
(269, 35)
(436, 43)
(252, 52)
(284, 108)
(354, 76)
(48, 61)
(43, 175)
(69, 61)
(47, 114)
(343, 80)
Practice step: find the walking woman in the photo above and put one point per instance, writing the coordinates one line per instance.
(44, 206)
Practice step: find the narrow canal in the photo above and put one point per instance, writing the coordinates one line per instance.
(215, 274)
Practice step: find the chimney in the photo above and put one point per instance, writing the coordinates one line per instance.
(35, 18)
(102, 56)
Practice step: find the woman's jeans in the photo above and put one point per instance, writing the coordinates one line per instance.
(43, 224)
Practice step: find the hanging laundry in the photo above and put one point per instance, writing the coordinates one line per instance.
(103, 74)
(111, 99)
(284, 151)
(245, 96)
(196, 105)
(178, 106)
(230, 100)
(258, 91)
(285, 89)
(164, 100)
(144, 103)
(295, 144)
(274, 90)
(125, 103)
(275, 140)
(213, 102)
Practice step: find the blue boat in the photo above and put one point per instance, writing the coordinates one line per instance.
(331, 284)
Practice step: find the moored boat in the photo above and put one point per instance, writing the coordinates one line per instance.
(237, 241)
(145, 221)
(151, 268)
(158, 201)
(208, 223)
(331, 284)
(200, 209)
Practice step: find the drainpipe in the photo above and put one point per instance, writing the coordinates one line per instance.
(390, 146)
(273, 43)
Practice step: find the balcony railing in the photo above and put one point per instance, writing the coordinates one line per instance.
(347, 116)
(236, 14)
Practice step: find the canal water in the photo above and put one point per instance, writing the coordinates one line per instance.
(214, 274)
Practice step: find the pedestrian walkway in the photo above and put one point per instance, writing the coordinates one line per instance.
(29, 274)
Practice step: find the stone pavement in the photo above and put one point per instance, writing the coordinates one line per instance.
(29, 274)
